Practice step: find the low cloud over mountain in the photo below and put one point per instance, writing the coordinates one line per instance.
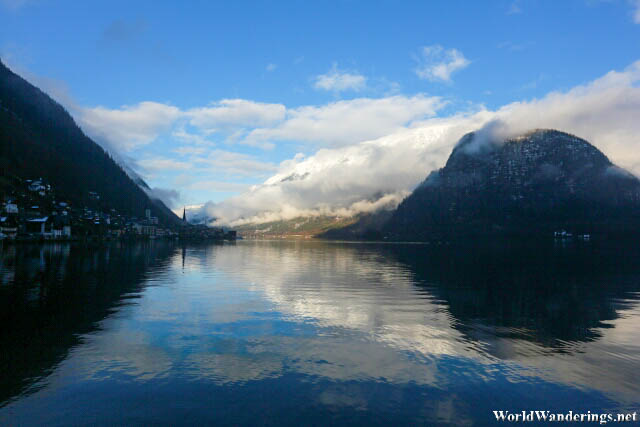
(366, 152)
(380, 172)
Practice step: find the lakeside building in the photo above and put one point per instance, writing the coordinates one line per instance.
(9, 226)
(39, 226)
(31, 211)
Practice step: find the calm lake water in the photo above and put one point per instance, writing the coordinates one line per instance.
(315, 333)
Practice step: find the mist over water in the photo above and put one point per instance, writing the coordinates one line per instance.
(288, 332)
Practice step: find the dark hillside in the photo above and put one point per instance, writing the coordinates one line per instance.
(39, 139)
(533, 184)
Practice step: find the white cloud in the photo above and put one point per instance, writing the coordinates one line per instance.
(347, 122)
(604, 112)
(350, 179)
(191, 138)
(636, 12)
(233, 163)
(189, 150)
(161, 164)
(336, 80)
(436, 63)
(370, 151)
(128, 127)
(254, 123)
(204, 162)
(219, 186)
(230, 113)
(271, 67)
(358, 178)
(168, 196)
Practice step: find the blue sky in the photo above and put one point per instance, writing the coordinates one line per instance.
(204, 99)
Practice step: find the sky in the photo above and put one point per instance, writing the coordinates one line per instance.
(263, 110)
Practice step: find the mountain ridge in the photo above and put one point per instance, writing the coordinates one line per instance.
(533, 183)
(40, 139)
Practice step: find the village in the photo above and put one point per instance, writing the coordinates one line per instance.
(32, 212)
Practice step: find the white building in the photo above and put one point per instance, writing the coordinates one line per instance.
(11, 208)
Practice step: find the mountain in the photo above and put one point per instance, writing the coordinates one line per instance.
(364, 226)
(300, 227)
(533, 184)
(39, 139)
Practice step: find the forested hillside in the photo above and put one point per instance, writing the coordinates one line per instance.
(39, 139)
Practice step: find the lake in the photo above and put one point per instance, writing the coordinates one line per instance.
(316, 333)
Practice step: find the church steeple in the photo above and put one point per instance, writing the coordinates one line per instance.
(184, 215)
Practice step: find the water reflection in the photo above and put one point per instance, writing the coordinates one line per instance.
(566, 314)
(329, 332)
(50, 295)
(540, 293)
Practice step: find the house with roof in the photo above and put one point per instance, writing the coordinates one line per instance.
(144, 228)
(37, 187)
(33, 212)
(61, 227)
(39, 226)
(11, 208)
(9, 226)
